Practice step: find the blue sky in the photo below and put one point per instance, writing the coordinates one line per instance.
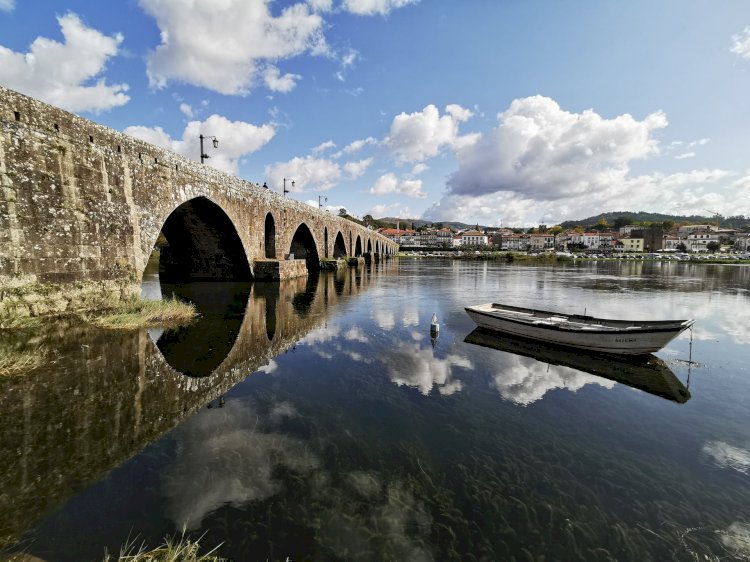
(489, 111)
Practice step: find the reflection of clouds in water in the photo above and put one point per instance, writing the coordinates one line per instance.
(321, 334)
(223, 457)
(397, 526)
(737, 537)
(410, 318)
(355, 334)
(728, 456)
(385, 319)
(355, 356)
(699, 334)
(366, 484)
(270, 368)
(524, 380)
(735, 324)
(411, 365)
(155, 333)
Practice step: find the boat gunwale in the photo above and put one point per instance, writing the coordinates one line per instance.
(655, 326)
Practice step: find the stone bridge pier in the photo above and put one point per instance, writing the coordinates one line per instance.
(83, 203)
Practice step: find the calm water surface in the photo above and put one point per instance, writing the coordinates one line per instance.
(319, 420)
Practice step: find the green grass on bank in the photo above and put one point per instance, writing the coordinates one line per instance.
(134, 312)
(16, 362)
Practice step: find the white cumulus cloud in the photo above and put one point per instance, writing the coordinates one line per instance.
(322, 147)
(372, 7)
(7, 5)
(681, 193)
(65, 74)
(236, 139)
(356, 169)
(225, 47)
(741, 44)
(278, 83)
(415, 137)
(317, 173)
(542, 151)
(389, 183)
(542, 162)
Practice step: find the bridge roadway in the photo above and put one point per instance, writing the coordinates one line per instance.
(82, 202)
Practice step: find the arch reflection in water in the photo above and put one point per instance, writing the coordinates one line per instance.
(648, 373)
(232, 315)
(197, 349)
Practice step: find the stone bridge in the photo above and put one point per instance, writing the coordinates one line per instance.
(81, 202)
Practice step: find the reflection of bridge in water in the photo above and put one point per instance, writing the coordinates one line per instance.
(107, 395)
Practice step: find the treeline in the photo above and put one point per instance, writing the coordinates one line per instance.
(641, 218)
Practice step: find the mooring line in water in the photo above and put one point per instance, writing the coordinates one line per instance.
(690, 357)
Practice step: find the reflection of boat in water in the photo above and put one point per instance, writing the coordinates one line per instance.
(628, 337)
(647, 373)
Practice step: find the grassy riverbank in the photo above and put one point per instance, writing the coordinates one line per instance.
(134, 313)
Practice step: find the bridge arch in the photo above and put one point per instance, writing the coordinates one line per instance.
(369, 245)
(339, 247)
(325, 241)
(358, 247)
(270, 237)
(303, 246)
(201, 242)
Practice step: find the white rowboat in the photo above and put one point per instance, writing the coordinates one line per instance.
(629, 337)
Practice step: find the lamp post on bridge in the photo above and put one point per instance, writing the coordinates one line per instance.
(320, 205)
(285, 189)
(215, 142)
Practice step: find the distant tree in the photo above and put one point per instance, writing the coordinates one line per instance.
(681, 247)
(713, 246)
(578, 228)
(667, 225)
(557, 229)
(342, 212)
(367, 219)
(623, 221)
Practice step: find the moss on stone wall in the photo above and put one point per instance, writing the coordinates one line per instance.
(22, 298)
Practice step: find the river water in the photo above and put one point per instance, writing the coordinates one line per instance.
(321, 420)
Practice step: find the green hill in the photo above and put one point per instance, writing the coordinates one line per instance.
(641, 217)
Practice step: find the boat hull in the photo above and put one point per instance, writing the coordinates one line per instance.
(625, 341)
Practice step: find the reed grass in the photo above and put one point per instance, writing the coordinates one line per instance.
(135, 312)
(17, 362)
(173, 549)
